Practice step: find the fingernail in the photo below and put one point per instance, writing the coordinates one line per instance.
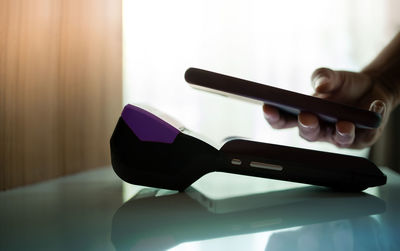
(271, 114)
(345, 133)
(308, 121)
(308, 126)
(378, 106)
(321, 83)
(271, 117)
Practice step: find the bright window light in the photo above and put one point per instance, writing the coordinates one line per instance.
(279, 43)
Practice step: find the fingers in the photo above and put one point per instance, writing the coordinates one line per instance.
(367, 137)
(271, 114)
(325, 80)
(345, 134)
(276, 119)
(342, 134)
(378, 106)
(309, 128)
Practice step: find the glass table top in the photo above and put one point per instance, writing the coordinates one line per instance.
(95, 210)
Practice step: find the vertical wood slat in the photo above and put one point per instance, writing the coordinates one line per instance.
(60, 86)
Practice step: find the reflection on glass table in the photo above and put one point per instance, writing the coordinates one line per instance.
(152, 220)
(335, 235)
(86, 212)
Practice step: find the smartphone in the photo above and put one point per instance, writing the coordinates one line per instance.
(287, 101)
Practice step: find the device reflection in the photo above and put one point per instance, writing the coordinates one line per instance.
(151, 221)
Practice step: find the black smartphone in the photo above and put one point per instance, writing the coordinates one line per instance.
(287, 101)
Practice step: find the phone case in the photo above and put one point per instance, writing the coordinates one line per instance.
(148, 151)
(290, 102)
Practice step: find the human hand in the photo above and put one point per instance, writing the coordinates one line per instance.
(354, 89)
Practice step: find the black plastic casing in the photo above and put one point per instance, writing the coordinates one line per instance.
(178, 164)
(341, 172)
(172, 166)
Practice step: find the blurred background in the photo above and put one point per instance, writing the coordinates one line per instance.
(60, 87)
(67, 67)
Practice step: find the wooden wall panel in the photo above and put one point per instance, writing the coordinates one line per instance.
(60, 86)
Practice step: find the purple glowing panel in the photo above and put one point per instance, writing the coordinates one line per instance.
(148, 127)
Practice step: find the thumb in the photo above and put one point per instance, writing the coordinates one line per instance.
(378, 106)
(325, 80)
